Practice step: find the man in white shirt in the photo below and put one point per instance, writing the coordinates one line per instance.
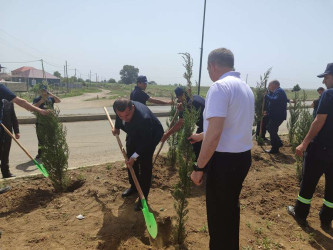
(226, 148)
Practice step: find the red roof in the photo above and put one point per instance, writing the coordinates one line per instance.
(30, 72)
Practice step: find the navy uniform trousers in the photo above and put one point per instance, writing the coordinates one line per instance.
(318, 160)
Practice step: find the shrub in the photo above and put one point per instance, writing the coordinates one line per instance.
(52, 135)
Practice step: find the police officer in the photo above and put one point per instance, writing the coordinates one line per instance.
(198, 103)
(6, 94)
(317, 147)
(10, 121)
(144, 131)
(139, 94)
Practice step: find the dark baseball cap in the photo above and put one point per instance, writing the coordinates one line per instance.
(179, 91)
(43, 87)
(329, 70)
(142, 79)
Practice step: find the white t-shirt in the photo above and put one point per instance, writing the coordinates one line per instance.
(232, 98)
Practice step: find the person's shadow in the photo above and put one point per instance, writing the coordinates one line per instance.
(319, 240)
(120, 228)
(128, 224)
(24, 166)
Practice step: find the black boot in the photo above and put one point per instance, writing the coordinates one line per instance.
(129, 192)
(299, 220)
(5, 172)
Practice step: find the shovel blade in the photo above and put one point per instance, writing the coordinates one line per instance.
(41, 168)
(149, 219)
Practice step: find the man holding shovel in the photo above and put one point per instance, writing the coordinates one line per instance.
(144, 131)
(6, 94)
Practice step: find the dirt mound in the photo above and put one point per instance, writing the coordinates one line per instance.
(32, 216)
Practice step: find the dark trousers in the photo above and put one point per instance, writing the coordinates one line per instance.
(273, 128)
(143, 170)
(225, 177)
(318, 160)
(4, 153)
(196, 149)
(265, 120)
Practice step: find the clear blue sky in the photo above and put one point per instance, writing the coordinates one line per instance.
(294, 37)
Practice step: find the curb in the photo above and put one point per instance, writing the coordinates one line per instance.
(80, 118)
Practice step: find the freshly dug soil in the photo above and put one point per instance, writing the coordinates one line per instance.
(33, 216)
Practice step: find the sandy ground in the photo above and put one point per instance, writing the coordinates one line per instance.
(32, 216)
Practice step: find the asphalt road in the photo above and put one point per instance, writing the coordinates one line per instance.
(90, 143)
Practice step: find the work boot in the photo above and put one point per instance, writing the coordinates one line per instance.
(129, 192)
(299, 220)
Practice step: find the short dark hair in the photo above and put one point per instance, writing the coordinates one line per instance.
(122, 104)
(276, 82)
(320, 89)
(222, 57)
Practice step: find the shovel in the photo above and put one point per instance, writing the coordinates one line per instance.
(159, 150)
(38, 165)
(149, 217)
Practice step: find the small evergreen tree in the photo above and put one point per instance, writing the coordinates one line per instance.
(301, 128)
(52, 135)
(296, 88)
(185, 158)
(294, 110)
(259, 93)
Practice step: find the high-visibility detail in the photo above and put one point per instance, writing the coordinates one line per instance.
(328, 204)
(303, 200)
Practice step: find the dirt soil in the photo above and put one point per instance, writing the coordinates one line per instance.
(32, 216)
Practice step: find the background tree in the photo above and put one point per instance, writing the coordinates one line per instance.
(111, 80)
(129, 74)
(152, 83)
(296, 88)
(57, 74)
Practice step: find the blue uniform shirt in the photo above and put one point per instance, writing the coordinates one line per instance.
(6, 94)
(277, 105)
(139, 95)
(325, 135)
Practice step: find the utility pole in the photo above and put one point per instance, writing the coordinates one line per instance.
(75, 73)
(202, 39)
(96, 77)
(67, 77)
(43, 69)
(90, 77)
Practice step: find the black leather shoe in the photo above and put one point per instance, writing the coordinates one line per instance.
(128, 192)
(272, 151)
(138, 206)
(9, 175)
(5, 189)
(300, 221)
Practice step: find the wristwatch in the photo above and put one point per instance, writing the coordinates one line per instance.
(197, 169)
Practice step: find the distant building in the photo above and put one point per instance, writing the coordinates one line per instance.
(32, 76)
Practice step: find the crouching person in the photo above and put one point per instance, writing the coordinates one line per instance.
(144, 131)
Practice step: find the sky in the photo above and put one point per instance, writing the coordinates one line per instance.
(294, 37)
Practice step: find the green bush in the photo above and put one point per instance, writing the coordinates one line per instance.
(55, 152)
